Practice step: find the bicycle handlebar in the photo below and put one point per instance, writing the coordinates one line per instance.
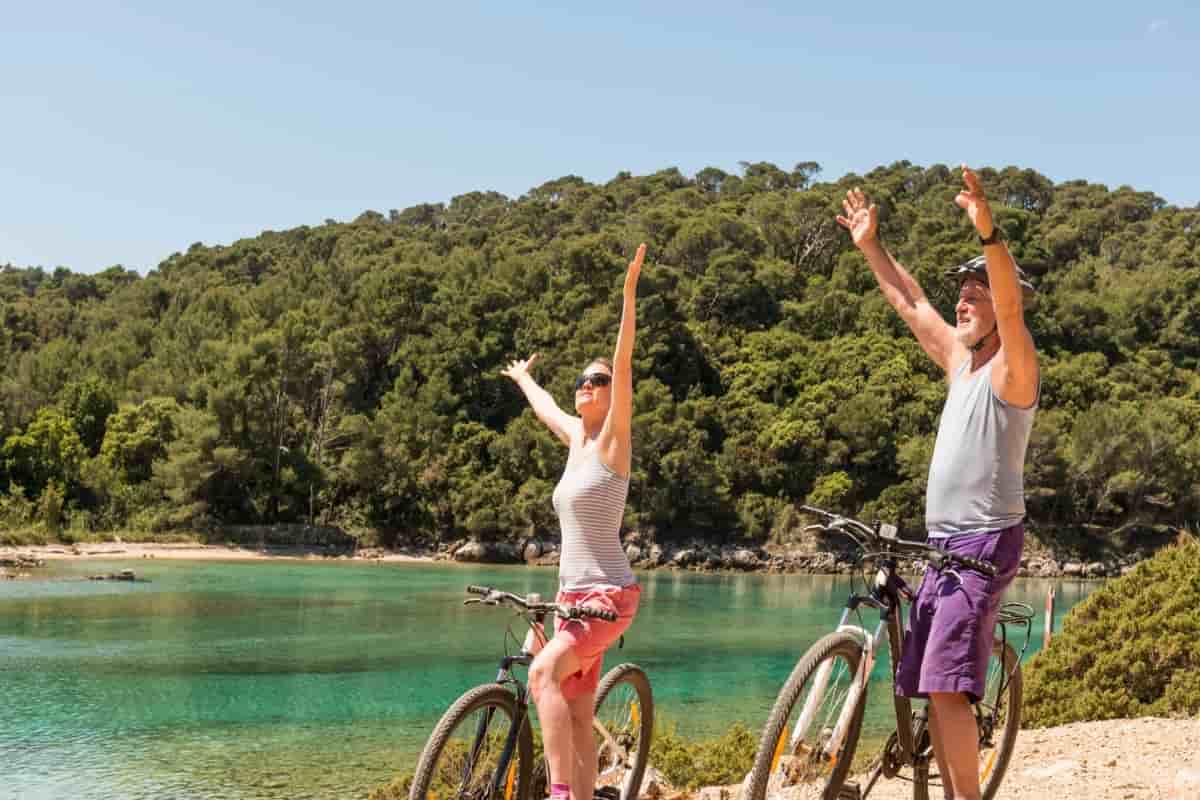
(496, 597)
(973, 563)
(892, 544)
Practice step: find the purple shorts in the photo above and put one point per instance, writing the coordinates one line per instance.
(951, 624)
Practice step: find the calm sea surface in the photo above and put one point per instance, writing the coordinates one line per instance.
(292, 679)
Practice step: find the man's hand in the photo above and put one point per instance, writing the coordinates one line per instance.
(516, 369)
(861, 220)
(635, 269)
(973, 201)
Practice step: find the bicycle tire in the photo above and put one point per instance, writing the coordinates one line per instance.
(993, 765)
(628, 725)
(769, 755)
(493, 698)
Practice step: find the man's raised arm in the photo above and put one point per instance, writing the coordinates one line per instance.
(1015, 377)
(935, 335)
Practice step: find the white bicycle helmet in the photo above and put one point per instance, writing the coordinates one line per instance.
(977, 268)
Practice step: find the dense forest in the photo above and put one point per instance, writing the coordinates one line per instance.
(349, 374)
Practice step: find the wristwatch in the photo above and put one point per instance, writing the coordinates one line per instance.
(995, 238)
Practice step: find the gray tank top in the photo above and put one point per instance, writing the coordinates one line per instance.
(590, 501)
(976, 481)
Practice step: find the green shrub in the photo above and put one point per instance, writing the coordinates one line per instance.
(721, 761)
(398, 787)
(395, 789)
(1131, 649)
(16, 510)
(712, 762)
(51, 505)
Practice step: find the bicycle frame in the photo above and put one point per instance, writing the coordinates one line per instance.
(908, 746)
(535, 613)
(885, 597)
(504, 676)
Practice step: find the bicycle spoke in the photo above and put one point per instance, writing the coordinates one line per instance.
(618, 727)
(994, 712)
(806, 753)
(471, 757)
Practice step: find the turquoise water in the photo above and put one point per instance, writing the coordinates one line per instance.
(299, 679)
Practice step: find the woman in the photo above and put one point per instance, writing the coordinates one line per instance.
(593, 569)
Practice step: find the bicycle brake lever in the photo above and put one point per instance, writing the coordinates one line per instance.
(954, 572)
(471, 601)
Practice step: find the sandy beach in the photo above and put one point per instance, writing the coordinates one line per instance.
(195, 551)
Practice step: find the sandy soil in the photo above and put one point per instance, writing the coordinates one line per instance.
(1121, 759)
(1110, 760)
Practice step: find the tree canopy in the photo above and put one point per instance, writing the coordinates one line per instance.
(348, 374)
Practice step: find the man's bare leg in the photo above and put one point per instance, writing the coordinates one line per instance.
(935, 737)
(955, 743)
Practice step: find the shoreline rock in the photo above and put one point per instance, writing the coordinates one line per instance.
(694, 555)
(697, 556)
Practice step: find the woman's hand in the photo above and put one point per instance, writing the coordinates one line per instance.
(517, 369)
(635, 269)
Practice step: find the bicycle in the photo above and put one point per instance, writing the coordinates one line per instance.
(482, 748)
(815, 752)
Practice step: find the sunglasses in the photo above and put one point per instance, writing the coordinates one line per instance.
(597, 379)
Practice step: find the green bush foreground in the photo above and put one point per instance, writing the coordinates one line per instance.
(720, 761)
(1131, 649)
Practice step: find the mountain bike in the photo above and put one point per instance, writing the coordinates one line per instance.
(483, 748)
(808, 746)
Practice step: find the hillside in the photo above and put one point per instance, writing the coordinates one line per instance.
(348, 374)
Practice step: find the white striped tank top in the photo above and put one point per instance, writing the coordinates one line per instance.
(590, 501)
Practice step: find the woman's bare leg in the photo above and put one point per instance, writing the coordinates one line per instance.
(555, 662)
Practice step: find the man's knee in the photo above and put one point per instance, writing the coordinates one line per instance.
(949, 701)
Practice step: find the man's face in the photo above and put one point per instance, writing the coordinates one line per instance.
(974, 315)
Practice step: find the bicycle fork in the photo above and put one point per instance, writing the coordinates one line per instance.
(816, 695)
(503, 780)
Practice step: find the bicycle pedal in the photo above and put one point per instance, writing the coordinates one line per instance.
(850, 791)
(606, 793)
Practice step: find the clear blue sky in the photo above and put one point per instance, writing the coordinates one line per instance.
(130, 130)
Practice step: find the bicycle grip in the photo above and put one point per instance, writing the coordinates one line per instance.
(598, 613)
(977, 565)
(473, 589)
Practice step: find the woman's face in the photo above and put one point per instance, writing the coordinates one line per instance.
(593, 388)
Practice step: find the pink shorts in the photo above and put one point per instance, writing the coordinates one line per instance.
(590, 637)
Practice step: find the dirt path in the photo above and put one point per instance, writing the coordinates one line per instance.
(1122, 759)
(1111, 760)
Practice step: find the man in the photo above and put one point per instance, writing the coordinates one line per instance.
(975, 500)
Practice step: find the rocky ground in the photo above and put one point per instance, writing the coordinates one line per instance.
(1121, 759)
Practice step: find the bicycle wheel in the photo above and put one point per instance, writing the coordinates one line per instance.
(624, 724)
(998, 716)
(464, 758)
(810, 738)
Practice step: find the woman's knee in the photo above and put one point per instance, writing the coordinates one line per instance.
(541, 677)
(543, 672)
